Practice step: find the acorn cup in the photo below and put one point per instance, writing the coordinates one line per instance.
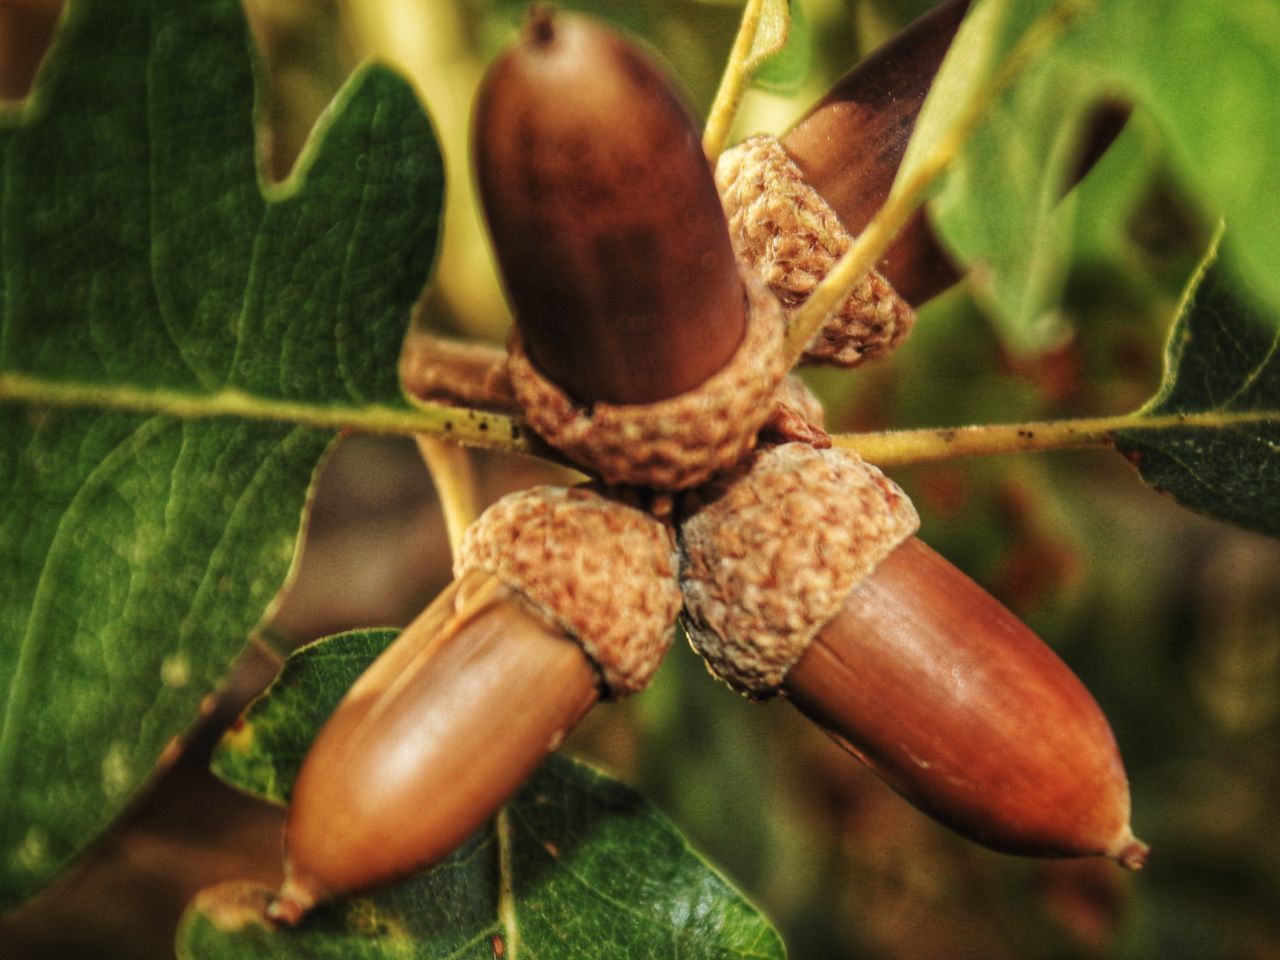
(802, 577)
(560, 598)
(644, 351)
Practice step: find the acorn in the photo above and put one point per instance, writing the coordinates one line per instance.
(803, 577)
(795, 204)
(848, 147)
(560, 598)
(644, 350)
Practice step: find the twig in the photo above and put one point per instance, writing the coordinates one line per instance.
(454, 479)
(475, 374)
(733, 83)
(902, 447)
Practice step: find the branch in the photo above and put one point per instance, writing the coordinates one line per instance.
(465, 425)
(895, 448)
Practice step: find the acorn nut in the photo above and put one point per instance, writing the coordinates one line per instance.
(644, 350)
(802, 576)
(561, 597)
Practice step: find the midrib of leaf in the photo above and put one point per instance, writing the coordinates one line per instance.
(495, 431)
(344, 368)
(507, 885)
(45, 589)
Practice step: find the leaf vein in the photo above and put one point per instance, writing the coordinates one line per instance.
(120, 457)
(338, 327)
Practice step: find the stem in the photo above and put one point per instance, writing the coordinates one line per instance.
(269, 646)
(733, 83)
(450, 469)
(474, 374)
(476, 428)
(908, 194)
(895, 448)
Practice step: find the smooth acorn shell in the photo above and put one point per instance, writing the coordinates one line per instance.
(605, 219)
(958, 706)
(430, 742)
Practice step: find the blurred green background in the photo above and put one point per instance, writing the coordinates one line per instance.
(1171, 620)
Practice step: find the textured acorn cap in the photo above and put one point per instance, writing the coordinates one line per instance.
(785, 229)
(678, 442)
(603, 571)
(770, 552)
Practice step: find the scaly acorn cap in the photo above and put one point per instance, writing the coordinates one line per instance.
(783, 228)
(794, 206)
(770, 550)
(560, 597)
(802, 576)
(603, 571)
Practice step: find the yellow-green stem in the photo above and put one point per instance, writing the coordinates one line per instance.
(476, 428)
(895, 448)
(733, 83)
(450, 469)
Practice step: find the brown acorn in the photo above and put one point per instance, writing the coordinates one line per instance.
(408, 767)
(561, 597)
(645, 351)
(957, 705)
(802, 576)
(794, 205)
(605, 219)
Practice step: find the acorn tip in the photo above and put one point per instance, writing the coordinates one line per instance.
(1134, 854)
(540, 24)
(291, 904)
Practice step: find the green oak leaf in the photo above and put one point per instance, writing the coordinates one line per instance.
(782, 54)
(1212, 432)
(1203, 75)
(145, 265)
(577, 866)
